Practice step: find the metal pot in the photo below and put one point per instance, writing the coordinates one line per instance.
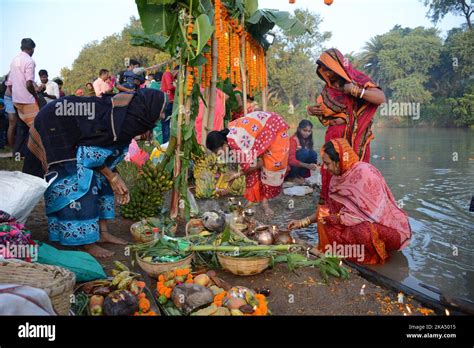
(284, 237)
(264, 236)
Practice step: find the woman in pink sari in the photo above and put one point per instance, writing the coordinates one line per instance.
(360, 220)
(346, 106)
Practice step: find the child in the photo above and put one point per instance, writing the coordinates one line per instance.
(302, 158)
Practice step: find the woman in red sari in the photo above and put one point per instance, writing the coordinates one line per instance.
(346, 106)
(360, 217)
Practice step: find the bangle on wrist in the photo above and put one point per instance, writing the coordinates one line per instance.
(114, 178)
(362, 93)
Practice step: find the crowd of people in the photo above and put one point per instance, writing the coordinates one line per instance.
(22, 96)
(355, 207)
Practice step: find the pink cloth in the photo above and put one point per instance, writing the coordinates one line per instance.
(22, 69)
(219, 114)
(363, 192)
(100, 87)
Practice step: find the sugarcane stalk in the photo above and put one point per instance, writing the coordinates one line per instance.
(177, 157)
(205, 117)
(243, 69)
(245, 248)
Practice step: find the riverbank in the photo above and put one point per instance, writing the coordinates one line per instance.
(292, 293)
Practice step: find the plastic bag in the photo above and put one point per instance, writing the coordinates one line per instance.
(297, 191)
(20, 193)
(136, 155)
(84, 265)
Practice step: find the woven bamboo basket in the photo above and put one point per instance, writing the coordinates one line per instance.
(244, 266)
(154, 269)
(144, 237)
(57, 282)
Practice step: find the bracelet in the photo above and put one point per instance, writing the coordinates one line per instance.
(114, 178)
(305, 222)
(362, 93)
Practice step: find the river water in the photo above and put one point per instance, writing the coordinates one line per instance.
(431, 173)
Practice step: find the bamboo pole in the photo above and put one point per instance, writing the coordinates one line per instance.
(265, 88)
(243, 69)
(213, 91)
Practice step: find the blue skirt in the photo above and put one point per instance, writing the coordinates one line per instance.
(78, 199)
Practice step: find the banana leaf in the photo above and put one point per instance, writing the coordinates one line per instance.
(264, 20)
(157, 16)
(204, 30)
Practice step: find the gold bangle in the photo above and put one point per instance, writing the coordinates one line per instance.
(114, 178)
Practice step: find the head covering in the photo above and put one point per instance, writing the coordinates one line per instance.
(142, 114)
(359, 112)
(347, 156)
(59, 127)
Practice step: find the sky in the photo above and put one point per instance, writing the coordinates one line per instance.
(60, 28)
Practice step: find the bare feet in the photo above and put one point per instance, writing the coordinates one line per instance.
(98, 251)
(315, 251)
(106, 237)
(266, 208)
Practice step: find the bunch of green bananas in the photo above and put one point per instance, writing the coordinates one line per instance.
(146, 196)
(207, 171)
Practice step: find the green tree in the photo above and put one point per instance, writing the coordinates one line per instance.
(108, 54)
(292, 62)
(440, 8)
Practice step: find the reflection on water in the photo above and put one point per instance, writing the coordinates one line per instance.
(431, 172)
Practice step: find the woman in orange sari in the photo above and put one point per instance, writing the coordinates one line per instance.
(259, 142)
(360, 220)
(346, 106)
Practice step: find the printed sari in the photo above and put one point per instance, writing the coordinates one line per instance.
(367, 218)
(357, 113)
(75, 148)
(265, 135)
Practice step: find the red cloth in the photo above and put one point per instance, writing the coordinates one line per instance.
(167, 85)
(333, 132)
(360, 112)
(294, 146)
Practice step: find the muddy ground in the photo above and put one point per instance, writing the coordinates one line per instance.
(292, 293)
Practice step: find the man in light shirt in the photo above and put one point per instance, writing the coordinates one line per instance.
(100, 85)
(50, 89)
(21, 78)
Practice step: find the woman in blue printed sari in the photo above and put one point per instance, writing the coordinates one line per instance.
(81, 141)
